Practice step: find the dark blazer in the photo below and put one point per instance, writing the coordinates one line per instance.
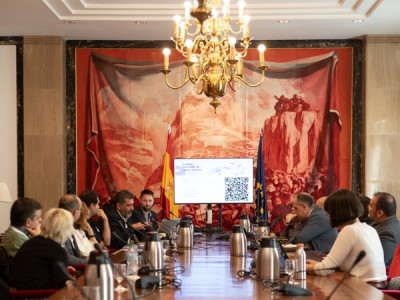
(389, 234)
(315, 230)
(34, 266)
(138, 216)
(74, 255)
(98, 228)
(121, 231)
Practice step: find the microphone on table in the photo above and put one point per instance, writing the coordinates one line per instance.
(105, 255)
(360, 256)
(60, 265)
(173, 214)
(275, 221)
(129, 234)
(293, 290)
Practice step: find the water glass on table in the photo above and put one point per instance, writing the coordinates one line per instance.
(119, 273)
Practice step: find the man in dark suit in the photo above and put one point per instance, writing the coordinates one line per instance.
(382, 209)
(73, 204)
(121, 226)
(144, 214)
(313, 225)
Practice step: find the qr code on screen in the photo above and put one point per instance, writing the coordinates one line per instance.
(236, 189)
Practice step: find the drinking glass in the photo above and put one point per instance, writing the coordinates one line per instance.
(290, 268)
(119, 273)
(165, 245)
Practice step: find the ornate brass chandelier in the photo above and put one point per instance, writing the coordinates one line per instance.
(212, 61)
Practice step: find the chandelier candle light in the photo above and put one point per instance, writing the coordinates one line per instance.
(212, 61)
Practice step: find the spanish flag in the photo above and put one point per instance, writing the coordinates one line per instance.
(167, 184)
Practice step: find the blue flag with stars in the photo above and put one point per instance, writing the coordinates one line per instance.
(260, 209)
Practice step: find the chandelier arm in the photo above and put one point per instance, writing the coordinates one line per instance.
(176, 87)
(198, 92)
(179, 47)
(243, 79)
(238, 82)
(195, 80)
(193, 33)
(242, 53)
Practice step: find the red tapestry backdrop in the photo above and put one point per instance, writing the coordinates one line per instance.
(124, 109)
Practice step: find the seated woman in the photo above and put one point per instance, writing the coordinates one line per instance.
(38, 262)
(344, 208)
(83, 233)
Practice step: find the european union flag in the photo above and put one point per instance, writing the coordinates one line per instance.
(260, 210)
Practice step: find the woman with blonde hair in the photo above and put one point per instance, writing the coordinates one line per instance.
(38, 262)
(83, 233)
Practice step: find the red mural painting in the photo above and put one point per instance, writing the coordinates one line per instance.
(124, 109)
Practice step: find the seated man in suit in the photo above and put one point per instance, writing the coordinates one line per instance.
(25, 217)
(382, 209)
(121, 226)
(313, 227)
(73, 204)
(144, 214)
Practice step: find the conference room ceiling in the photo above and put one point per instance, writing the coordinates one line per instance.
(153, 19)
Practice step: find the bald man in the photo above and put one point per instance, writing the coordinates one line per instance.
(382, 209)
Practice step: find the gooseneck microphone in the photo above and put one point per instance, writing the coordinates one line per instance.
(105, 255)
(173, 214)
(360, 256)
(293, 290)
(275, 221)
(60, 265)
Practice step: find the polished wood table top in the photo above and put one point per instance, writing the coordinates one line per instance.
(211, 273)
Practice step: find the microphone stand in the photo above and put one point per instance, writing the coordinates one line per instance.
(359, 257)
(102, 253)
(62, 268)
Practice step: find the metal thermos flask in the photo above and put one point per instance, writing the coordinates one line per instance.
(238, 241)
(154, 251)
(185, 235)
(190, 220)
(98, 272)
(263, 230)
(267, 264)
(245, 222)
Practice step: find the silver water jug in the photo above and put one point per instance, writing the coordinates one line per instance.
(190, 220)
(267, 263)
(98, 272)
(245, 222)
(154, 250)
(185, 235)
(263, 230)
(238, 241)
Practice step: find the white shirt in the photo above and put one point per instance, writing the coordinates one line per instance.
(351, 240)
(85, 246)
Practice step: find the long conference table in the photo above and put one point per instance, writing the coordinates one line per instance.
(208, 271)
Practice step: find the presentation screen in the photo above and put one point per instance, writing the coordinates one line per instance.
(213, 180)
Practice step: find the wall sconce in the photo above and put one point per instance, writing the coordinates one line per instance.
(5, 195)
